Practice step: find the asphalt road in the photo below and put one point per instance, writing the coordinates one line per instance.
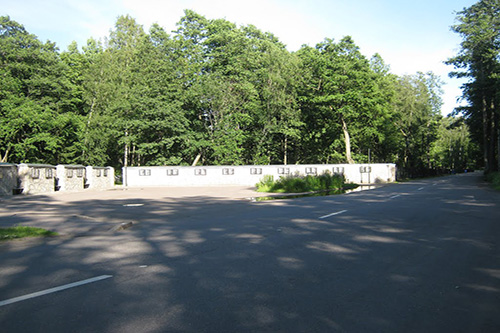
(422, 256)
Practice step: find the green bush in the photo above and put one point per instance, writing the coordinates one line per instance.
(298, 184)
(494, 179)
(313, 183)
(265, 184)
(290, 184)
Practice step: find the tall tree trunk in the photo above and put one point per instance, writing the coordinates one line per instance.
(196, 159)
(285, 152)
(495, 137)
(85, 153)
(491, 138)
(125, 162)
(498, 140)
(485, 134)
(494, 147)
(347, 140)
(5, 156)
(498, 148)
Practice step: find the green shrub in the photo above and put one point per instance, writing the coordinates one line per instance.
(265, 184)
(290, 184)
(313, 183)
(494, 179)
(298, 184)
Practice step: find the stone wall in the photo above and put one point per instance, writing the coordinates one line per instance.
(36, 178)
(99, 177)
(249, 175)
(70, 177)
(42, 178)
(8, 178)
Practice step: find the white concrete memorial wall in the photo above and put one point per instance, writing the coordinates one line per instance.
(251, 174)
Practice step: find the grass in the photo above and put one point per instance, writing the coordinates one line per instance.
(300, 184)
(494, 179)
(22, 232)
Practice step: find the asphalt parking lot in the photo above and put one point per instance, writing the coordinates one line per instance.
(421, 256)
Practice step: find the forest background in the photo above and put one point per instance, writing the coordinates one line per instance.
(212, 93)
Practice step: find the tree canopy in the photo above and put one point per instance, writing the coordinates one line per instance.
(212, 92)
(478, 60)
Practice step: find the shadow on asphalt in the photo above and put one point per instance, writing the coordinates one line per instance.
(266, 266)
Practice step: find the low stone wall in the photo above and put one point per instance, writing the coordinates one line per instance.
(70, 177)
(36, 178)
(99, 177)
(249, 175)
(43, 178)
(8, 178)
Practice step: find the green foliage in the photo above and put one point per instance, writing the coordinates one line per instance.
(345, 101)
(453, 149)
(265, 184)
(478, 60)
(37, 120)
(242, 97)
(416, 116)
(23, 232)
(494, 179)
(298, 184)
(214, 93)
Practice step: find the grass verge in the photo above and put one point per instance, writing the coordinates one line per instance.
(494, 179)
(22, 232)
(300, 184)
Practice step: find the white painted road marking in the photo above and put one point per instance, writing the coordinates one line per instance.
(395, 196)
(420, 189)
(53, 290)
(332, 214)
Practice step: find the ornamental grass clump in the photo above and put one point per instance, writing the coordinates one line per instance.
(299, 184)
(266, 184)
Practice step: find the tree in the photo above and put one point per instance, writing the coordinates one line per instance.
(109, 80)
(340, 97)
(417, 104)
(37, 116)
(383, 138)
(453, 149)
(478, 60)
(240, 91)
(217, 93)
(162, 127)
(277, 121)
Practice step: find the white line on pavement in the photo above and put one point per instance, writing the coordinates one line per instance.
(53, 290)
(395, 196)
(332, 214)
(420, 189)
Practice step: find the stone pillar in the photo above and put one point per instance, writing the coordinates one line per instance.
(8, 178)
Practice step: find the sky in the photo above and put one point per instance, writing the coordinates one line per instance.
(410, 36)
